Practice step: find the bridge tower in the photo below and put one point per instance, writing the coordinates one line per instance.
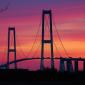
(50, 41)
(11, 29)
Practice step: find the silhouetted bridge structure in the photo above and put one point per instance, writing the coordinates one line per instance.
(63, 61)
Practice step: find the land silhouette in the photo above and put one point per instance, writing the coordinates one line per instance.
(47, 75)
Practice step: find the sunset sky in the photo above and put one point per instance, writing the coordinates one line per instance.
(26, 15)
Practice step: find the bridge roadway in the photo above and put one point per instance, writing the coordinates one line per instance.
(25, 59)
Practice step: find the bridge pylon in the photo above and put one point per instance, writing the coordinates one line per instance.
(13, 50)
(50, 41)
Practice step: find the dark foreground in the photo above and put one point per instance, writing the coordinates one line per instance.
(50, 77)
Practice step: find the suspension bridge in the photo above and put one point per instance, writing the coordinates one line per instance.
(44, 41)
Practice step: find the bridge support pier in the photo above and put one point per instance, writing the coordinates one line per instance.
(69, 66)
(84, 66)
(62, 65)
(76, 66)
